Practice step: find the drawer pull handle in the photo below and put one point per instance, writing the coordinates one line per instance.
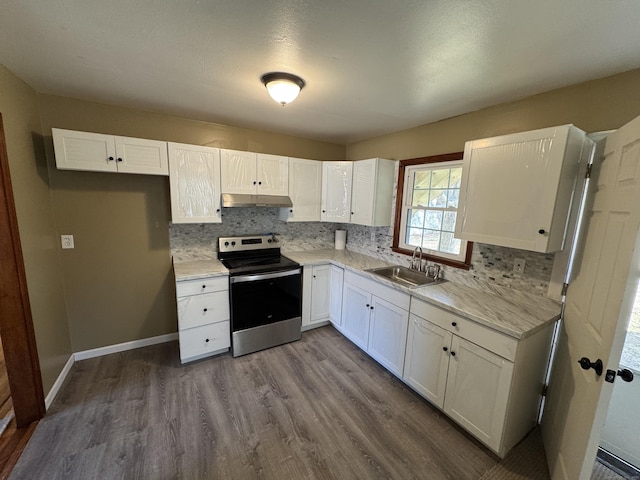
(453, 354)
(454, 324)
(445, 349)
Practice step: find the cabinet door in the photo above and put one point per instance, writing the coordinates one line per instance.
(478, 390)
(388, 334)
(335, 295)
(305, 190)
(363, 191)
(356, 305)
(84, 151)
(138, 155)
(516, 189)
(272, 174)
(320, 293)
(195, 183)
(426, 360)
(238, 172)
(336, 191)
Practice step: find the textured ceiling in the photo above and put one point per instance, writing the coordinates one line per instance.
(371, 66)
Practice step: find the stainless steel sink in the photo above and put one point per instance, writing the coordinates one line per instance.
(405, 276)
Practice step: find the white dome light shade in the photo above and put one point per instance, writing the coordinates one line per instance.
(282, 87)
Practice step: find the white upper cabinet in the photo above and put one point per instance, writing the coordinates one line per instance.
(109, 153)
(372, 192)
(254, 173)
(305, 190)
(516, 189)
(336, 191)
(194, 179)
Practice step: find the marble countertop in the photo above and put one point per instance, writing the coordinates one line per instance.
(513, 313)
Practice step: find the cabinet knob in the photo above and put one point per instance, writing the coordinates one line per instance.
(454, 324)
(368, 305)
(217, 209)
(291, 210)
(453, 354)
(542, 231)
(352, 213)
(110, 159)
(314, 276)
(204, 309)
(445, 349)
(255, 183)
(324, 211)
(259, 183)
(119, 159)
(206, 340)
(204, 286)
(371, 307)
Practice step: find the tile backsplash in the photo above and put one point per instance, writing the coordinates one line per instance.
(492, 266)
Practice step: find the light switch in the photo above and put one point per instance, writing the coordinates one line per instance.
(67, 241)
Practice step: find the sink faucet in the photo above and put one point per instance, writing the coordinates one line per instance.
(413, 259)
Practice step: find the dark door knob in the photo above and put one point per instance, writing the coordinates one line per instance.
(626, 375)
(586, 364)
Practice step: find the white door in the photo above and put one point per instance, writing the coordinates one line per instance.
(194, 182)
(388, 334)
(272, 174)
(336, 191)
(320, 293)
(364, 191)
(427, 359)
(139, 155)
(598, 304)
(335, 296)
(356, 305)
(477, 392)
(305, 190)
(238, 172)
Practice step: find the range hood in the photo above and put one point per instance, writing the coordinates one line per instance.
(243, 200)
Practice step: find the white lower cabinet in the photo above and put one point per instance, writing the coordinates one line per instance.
(375, 318)
(315, 296)
(203, 317)
(335, 296)
(488, 382)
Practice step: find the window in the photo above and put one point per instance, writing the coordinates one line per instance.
(426, 209)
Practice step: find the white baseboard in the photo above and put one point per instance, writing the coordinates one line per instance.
(121, 347)
(58, 383)
(98, 352)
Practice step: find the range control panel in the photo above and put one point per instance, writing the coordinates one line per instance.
(252, 242)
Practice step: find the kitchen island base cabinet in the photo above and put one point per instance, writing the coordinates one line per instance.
(486, 381)
(375, 318)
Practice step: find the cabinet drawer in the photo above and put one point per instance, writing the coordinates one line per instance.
(199, 341)
(203, 309)
(492, 340)
(389, 294)
(203, 285)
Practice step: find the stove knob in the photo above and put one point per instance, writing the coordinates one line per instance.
(275, 240)
(269, 241)
(226, 244)
(233, 244)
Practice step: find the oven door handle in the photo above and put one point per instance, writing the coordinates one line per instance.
(263, 276)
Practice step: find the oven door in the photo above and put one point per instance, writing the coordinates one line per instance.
(265, 298)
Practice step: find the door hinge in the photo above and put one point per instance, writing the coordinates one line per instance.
(588, 173)
(565, 287)
(545, 389)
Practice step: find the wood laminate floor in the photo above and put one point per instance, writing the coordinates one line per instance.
(318, 408)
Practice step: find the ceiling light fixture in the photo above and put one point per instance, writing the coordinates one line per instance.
(282, 87)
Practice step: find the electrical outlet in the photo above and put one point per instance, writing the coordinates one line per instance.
(518, 265)
(67, 241)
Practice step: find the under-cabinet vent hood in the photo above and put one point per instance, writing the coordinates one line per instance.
(243, 200)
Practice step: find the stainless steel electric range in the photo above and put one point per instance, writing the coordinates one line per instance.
(265, 293)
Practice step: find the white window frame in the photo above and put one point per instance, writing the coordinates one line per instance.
(406, 206)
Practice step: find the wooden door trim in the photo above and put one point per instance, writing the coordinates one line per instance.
(16, 322)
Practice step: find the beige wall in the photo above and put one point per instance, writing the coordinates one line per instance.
(593, 106)
(118, 280)
(30, 179)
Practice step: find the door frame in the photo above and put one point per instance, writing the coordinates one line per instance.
(16, 322)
